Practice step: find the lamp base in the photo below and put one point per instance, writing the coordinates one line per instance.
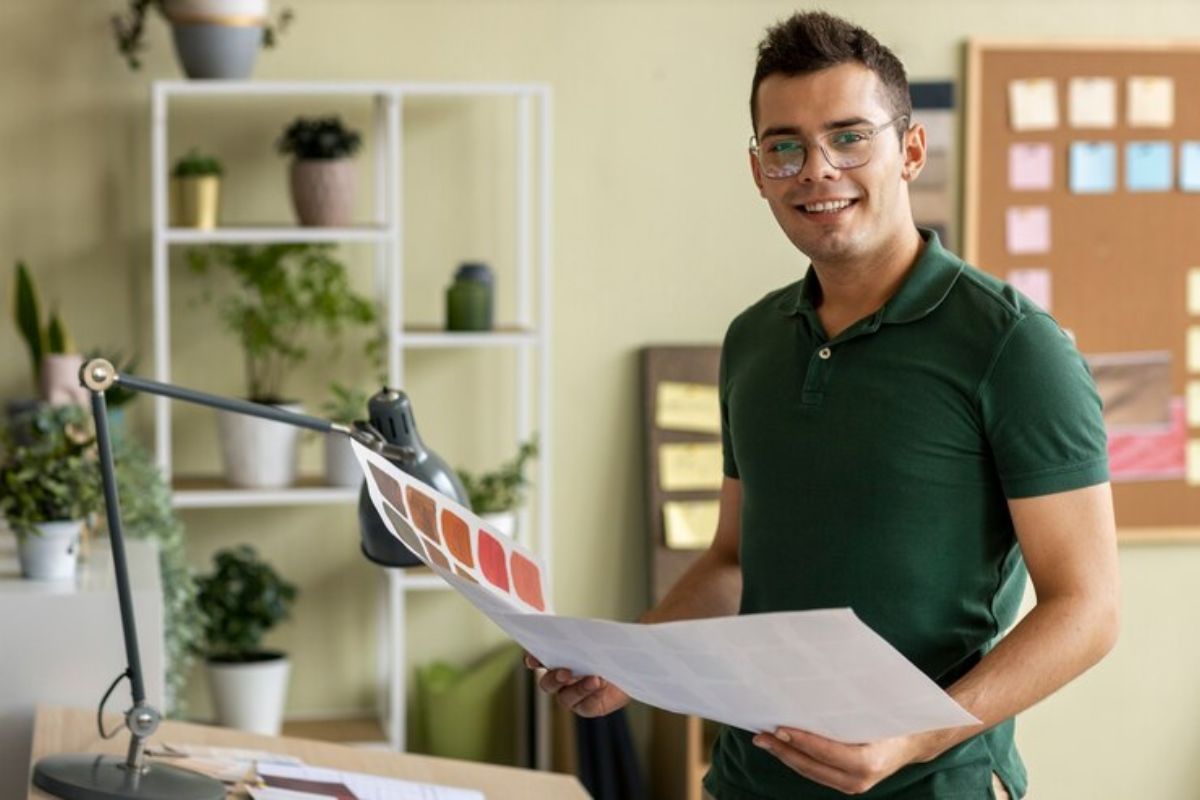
(94, 777)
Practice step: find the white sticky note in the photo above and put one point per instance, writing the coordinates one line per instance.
(1193, 291)
(1189, 166)
(1030, 166)
(1034, 283)
(1033, 104)
(688, 407)
(690, 525)
(690, 466)
(1193, 348)
(1027, 230)
(1151, 102)
(1193, 404)
(1193, 462)
(1092, 103)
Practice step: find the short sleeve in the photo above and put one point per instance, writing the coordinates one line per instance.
(1041, 413)
(729, 461)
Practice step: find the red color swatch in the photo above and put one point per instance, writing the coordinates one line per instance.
(424, 513)
(457, 535)
(389, 488)
(527, 580)
(492, 561)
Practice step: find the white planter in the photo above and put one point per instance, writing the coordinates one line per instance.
(503, 521)
(258, 453)
(323, 191)
(52, 553)
(341, 467)
(250, 696)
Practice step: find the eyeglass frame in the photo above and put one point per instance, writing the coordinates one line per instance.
(870, 133)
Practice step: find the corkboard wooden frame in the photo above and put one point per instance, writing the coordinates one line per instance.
(1124, 309)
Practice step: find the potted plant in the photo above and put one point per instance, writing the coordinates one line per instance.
(286, 294)
(344, 405)
(495, 496)
(213, 38)
(242, 599)
(55, 361)
(49, 486)
(322, 176)
(196, 191)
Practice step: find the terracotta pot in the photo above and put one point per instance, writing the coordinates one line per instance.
(323, 191)
(60, 384)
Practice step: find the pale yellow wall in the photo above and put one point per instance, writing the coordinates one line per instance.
(659, 238)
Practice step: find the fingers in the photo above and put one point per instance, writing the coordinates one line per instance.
(804, 764)
(585, 695)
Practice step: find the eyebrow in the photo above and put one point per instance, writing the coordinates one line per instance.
(791, 130)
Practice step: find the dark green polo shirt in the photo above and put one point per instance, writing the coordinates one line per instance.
(876, 469)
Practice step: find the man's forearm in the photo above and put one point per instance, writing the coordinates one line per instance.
(1058, 640)
(711, 587)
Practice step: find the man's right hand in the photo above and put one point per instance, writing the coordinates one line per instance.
(585, 695)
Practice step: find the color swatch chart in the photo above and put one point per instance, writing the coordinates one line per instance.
(821, 670)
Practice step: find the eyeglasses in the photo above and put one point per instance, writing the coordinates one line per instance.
(845, 148)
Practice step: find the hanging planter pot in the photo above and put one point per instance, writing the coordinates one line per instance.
(258, 453)
(51, 553)
(217, 38)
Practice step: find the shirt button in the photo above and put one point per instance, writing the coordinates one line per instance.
(825, 353)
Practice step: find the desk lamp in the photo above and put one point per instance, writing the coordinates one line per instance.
(391, 432)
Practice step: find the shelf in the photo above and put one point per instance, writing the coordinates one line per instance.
(278, 234)
(226, 88)
(213, 492)
(430, 337)
(422, 579)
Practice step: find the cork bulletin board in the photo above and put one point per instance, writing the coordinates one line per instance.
(1082, 188)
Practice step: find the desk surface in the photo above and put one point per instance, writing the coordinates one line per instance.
(62, 730)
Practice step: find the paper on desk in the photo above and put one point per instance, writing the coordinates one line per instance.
(369, 787)
(823, 671)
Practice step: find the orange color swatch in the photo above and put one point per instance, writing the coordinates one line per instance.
(527, 580)
(457, 535)
(424, 513)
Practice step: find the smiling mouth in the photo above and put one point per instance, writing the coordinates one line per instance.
(826, 207)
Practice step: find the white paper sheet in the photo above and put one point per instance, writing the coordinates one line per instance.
(371, 787)
(823, 671)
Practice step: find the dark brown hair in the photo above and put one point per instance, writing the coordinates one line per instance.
(811, 41)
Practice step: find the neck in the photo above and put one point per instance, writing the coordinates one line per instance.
(852, 290)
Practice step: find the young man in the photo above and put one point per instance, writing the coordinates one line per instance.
(903, 435)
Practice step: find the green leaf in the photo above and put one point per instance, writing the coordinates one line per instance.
(28, 317)
(58, 341)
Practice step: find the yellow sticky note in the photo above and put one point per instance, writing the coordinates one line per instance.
(1193, 291)
(1193, 404)
(690, 525)
(1193, 462)
(1033, 104)
(1193, 348)
(688, 407)
(1092, 103)
(1151, 102)
(690, 467)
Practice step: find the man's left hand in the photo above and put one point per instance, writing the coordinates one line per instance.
(849, 768)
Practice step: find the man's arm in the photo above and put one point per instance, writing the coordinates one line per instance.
(711, 587)
(1069, 544)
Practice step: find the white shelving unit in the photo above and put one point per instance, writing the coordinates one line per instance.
(529, 336)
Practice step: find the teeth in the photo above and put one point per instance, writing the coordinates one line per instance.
(833, 205)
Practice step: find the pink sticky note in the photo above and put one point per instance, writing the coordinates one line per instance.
(1030, 166)
(1034, 284)
(1028, 229)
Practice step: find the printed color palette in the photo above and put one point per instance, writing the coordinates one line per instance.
(451, 540)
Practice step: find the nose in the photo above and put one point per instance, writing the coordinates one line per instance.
(816, 167)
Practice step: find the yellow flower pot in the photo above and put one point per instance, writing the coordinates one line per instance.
(195, 202)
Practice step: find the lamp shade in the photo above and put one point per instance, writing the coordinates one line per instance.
(390, 413)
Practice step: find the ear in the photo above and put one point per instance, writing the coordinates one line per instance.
(914, 152)
(756, 171)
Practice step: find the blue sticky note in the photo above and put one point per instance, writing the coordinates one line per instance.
(1148, 167)
(1093, 167)
(1189, 166)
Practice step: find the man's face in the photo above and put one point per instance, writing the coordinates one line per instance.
(805, 107)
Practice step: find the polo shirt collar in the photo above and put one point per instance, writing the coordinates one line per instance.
(923, 290)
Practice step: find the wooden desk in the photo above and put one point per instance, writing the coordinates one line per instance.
(63, 730)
